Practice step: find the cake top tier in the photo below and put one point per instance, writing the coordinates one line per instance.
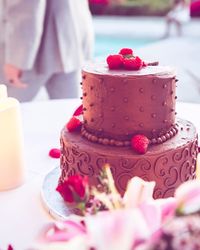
(101, 68)
(118, 104)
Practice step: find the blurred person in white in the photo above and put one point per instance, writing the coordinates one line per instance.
(46, 43)
(178, 15)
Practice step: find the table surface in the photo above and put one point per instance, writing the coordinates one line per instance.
(22, 215)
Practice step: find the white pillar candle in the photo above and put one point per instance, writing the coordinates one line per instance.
(11, 142)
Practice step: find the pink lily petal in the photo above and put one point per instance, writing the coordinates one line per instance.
(111, 230)
(114, 229)
(64, 231)
(188, 197)
(138, 191)
(156, 213)
(152, 215)
(168, 207)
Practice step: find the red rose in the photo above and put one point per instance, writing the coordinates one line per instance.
(74, 189)
(78, 183)
(65, 192)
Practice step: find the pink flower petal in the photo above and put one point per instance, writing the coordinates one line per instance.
(167, 206)
(188, 196)
(152, 215)
(138, 191)
(64, 231)
(10, 247)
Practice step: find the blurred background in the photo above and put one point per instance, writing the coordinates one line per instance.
(142, 25)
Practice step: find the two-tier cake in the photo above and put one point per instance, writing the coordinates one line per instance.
(118, 104)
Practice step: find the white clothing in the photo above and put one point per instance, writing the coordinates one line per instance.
(181, 13)
(61, 30)
(58, 85)
(45, 38)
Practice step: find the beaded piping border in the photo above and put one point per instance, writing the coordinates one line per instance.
(112, 142)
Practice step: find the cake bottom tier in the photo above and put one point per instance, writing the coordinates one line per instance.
(168, 164)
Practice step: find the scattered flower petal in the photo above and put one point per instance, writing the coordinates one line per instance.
(78, 111)
(54, 153)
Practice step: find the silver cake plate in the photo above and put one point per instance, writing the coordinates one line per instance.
(52, 201)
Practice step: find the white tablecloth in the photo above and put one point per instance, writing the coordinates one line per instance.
(22, 215)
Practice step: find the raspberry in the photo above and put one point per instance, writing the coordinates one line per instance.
(133, 63)
(140, 143)
(74, 124)
(54, 153)
(126, 51)
(78, 111)
(115, 61)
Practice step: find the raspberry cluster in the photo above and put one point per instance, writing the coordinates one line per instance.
(125, 59)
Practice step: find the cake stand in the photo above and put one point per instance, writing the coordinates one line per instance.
(52, 201)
